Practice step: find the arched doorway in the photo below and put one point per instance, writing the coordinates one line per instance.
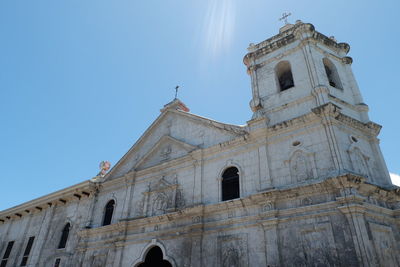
(154, 258)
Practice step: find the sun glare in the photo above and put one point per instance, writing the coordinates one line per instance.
(218, 26)
(395, 179)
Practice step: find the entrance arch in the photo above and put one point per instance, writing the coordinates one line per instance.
(154, 254)
(154, 258)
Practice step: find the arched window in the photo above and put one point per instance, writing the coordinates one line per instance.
(331, 73)
(230, 184)
(108, 212)
(284, 75)
(155, 258)
(64, 236)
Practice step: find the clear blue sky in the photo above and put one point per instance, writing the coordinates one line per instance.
(80, 81)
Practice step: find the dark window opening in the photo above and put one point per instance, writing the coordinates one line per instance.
(330, 78)
(7, 254)
(230, 184)
(27, 251)
(331, 73)
(155, 258)
(285, 76)
(57, 262)
(64, 236)
(108, 213)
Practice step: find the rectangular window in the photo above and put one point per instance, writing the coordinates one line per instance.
(27, 251)
(7, 254)
(57, 262)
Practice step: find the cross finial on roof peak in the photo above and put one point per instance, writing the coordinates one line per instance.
(176, 91)
(285, 16)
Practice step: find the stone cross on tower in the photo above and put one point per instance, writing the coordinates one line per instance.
(285, 16)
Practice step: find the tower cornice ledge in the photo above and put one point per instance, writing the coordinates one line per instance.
(298, 32)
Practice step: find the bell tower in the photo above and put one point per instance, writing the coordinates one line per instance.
(301, 74)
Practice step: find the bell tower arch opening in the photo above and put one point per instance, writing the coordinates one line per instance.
(284, 75)
(332, 74)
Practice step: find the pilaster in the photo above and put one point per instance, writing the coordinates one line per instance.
(270, 227)
(42, 236)
(196, 257)
(23, 243)
(363, 246)
(198, 177)
(129, 183)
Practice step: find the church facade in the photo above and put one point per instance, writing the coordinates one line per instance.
(303, 183)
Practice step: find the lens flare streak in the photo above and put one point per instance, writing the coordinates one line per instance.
(218, 26)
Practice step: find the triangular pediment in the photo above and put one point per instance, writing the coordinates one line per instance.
(166, 149)
(174, 134)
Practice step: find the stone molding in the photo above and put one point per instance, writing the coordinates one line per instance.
(300, 31)
(352, 200)
(73, 193)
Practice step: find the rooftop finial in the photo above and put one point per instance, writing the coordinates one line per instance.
(285, 16)
(176, 91)
(104, 166)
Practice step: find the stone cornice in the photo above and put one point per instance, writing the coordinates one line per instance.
(61, 197)
(351, 198)
(344, 103)
(330, 110)
(299, 31)
(370, 128)
(300, 121)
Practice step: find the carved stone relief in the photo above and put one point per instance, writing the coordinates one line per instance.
(162, 196)
(318, 245)
(179, 199)
(384, 244)
(233, 250)
(300, 167)
(166, 152)
(359, 161)
(268, 206)
(196, 219)
(161, 202)
(99, 260)
(230, 257)
(306, 201)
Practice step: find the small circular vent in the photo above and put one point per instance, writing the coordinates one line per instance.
(296, 143)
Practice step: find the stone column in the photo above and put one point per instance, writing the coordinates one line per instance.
(363, 246)
(270, 227)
